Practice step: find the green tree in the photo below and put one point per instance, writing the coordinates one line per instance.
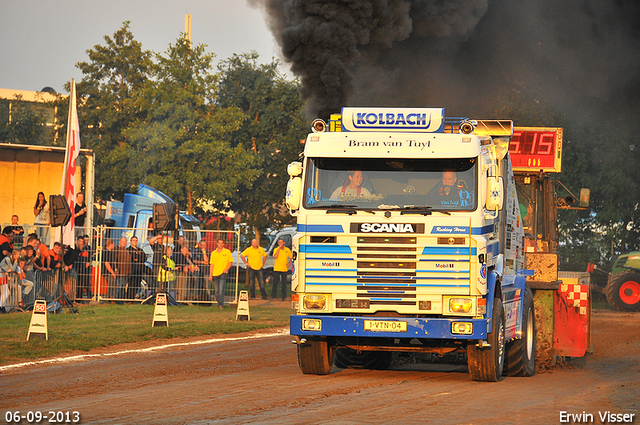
(21, 122)
(272, 127)
(180, 143)
(114, 72)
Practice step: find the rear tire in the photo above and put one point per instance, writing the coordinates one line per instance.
(315, 356)
(521, 353)
(623, 291)
(349, 358)
(487, 364)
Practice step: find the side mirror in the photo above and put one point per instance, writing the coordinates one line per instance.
(585, 197)
(294, 169)
(495, 193)
(294, 190)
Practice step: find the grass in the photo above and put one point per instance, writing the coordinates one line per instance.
(107, 325)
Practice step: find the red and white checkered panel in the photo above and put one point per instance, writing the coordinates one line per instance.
(576, 294)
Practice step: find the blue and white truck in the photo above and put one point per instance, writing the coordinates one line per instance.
(409, 238)
(133, 217)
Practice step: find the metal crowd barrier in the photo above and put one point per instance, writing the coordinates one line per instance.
(133, 281)
(137, 282)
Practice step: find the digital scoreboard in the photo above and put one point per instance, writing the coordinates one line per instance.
(536, 149)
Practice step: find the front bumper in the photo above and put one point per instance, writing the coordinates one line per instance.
(353, 326)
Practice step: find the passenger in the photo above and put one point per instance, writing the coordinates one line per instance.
(352, 186)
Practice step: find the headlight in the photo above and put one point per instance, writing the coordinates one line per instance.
(460, 305)
(462, 328)
(311, 324)
(314, 302)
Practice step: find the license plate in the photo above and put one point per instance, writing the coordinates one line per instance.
(384, 326)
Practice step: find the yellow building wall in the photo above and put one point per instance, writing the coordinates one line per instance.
(25, 173)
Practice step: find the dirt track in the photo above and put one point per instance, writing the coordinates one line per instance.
(258, 381)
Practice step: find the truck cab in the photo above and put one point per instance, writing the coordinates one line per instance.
(409, 238)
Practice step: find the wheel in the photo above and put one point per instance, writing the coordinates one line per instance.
(315, 357)
(623, 291)
(487, 364)
(376, 360)
(521, 353)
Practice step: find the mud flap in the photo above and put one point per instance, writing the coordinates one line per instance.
(572, 306)
(543, 302)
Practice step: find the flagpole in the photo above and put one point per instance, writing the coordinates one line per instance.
(65, 170)
(69, 156)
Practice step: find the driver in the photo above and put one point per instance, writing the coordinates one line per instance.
(352, 186)
(447, 192)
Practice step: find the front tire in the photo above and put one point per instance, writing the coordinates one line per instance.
(521, 353)
(623, 291)
(487, 364)
(315, 357)
(349, 358)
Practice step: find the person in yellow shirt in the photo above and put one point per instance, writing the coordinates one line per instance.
(220, 261)
(283, 257)
(255, 257)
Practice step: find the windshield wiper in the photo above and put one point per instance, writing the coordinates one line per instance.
(341, 209)
(414, 209)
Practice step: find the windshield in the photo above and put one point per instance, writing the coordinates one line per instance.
(365, 183)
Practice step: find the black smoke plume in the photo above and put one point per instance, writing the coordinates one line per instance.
(580, 56)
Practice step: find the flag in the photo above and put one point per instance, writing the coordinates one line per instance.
(68, 185)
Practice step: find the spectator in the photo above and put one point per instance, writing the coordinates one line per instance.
(42, 220)
(43, 262)
(166, 274)
(109, 262)
(201, 259)
(56, 261)
(155, 242)
(181, 242)
(255, 257)
(79, 214)
(6, 243)
(26, 284)
(82, 266)
(186, 269)
(8, 266)
(18, 231)
(221, 261)
(283, 257)
(123, 261)
(138, 257)
(30, 270)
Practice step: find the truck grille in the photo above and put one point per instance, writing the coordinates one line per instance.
(386, 268)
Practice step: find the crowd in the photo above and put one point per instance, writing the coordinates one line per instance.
(35, 271)
(186, 273)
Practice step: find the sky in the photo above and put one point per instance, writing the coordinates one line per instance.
(41, 41)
